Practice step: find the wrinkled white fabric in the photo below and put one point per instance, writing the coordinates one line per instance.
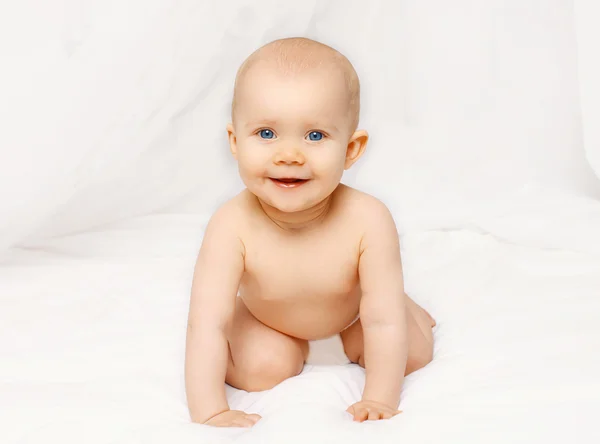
(587, 14)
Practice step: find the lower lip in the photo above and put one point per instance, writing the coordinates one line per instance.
(288, 184)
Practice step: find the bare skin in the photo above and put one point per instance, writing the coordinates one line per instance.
(300, 288)
(305, 253)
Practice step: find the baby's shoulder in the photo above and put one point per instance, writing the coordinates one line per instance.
(231, 213)
(362, 206)
(370, 217)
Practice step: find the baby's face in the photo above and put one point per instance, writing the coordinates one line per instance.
(290, 135)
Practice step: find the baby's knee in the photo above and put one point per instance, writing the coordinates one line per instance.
(267, 368)
(417, 361)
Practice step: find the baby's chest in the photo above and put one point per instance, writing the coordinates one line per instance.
(315, 268)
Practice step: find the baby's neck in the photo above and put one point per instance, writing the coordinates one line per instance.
(300, 221)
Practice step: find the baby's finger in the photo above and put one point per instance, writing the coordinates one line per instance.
(386, 415)
(243, 422)
(254, 417)
(360, 414)
(391, 413)
(374, 415)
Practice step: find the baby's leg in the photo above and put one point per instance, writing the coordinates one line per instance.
(260, 357)
(420, 338)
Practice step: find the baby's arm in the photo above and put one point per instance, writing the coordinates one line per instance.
(217, 274)
(382, 308)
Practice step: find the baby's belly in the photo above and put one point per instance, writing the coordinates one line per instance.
(305, 319)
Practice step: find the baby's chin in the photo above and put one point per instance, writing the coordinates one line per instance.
(288, 205)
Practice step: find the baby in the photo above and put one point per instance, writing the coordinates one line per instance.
(298, 256)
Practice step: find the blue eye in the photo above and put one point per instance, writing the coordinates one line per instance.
(266, 134)
(315, 136)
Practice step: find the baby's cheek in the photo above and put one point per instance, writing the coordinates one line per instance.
(249, 173)
(250, 163)
(331, 164)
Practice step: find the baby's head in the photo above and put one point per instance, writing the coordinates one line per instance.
(294, 116)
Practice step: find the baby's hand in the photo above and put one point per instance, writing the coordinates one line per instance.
(233, 418)
(371, 410)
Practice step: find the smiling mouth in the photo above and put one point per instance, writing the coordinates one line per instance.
(288, 182)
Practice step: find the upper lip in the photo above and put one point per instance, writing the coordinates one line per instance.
(289, 178)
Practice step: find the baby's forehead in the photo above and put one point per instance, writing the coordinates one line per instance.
(272, 92)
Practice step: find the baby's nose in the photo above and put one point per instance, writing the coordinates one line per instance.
(289, 156)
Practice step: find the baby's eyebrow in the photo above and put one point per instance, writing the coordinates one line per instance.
(318, 125)
(261, 122)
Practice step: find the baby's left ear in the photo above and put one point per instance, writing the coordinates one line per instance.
(356, 147)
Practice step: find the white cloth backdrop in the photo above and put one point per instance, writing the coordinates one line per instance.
(587, 14)
(113, 155)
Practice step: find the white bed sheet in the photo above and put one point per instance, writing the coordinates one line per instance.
(92, 333)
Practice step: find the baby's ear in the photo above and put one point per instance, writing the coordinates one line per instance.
(356, 147)
(232, 140)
